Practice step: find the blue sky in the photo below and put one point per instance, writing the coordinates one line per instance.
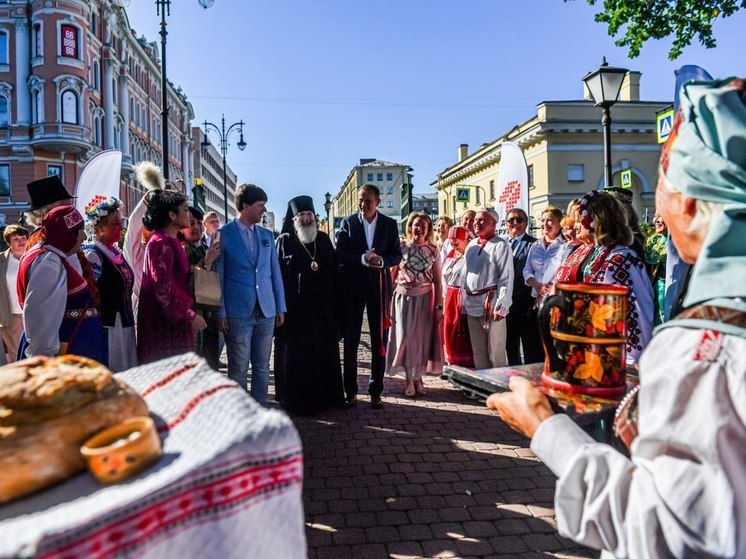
(322, 83)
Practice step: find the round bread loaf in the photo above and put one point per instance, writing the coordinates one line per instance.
(49, 406)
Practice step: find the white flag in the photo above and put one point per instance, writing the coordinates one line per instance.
(512, 183)
(99, 179)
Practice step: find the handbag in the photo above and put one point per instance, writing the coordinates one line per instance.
(207, 293)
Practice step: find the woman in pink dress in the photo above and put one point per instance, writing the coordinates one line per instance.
(165, 318)
(416, 310)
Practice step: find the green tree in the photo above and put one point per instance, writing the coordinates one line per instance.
(640, 20)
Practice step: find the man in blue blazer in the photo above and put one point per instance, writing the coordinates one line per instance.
(252, 293)
(521, 323)
(367, 247)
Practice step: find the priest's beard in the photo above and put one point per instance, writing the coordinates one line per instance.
(306, 233)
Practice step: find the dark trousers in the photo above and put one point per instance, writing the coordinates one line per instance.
(355, 305)
(523, 330)
(208, 341)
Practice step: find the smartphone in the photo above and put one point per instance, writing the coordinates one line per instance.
(216, 237)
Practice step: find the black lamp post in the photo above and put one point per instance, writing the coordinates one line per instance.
(327, 209)
(604, 85)
(163, 9)
(224, 134)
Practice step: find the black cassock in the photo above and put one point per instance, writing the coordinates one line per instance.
(308, 376)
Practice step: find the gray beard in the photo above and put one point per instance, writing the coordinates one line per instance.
(306, 233)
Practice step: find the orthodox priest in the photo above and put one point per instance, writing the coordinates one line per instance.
(308, 377)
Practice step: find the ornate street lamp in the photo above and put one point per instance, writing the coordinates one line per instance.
(604, 85)
(224, 134)
(327, 209)
(163, 9)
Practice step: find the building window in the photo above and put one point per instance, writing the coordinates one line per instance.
(37, 39)
(389, 176)
(3, 48)
(477, 198)
(379, 176)
(370, 177)
(5, 180)
(492, 190)
(575, 172)
(3, 111)
(55, 170)
(38, 107)
(69, 41)
(531, 177)
(389, 190)
(97, 131)
(69, 102)
(389, 204)
(96, 76)
(132, 109)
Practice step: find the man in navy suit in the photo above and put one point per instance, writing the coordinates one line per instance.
(252, 291)
(521, 323)
(367, 247)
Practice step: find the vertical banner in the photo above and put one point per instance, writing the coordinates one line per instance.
(69, 46)
(99, 179)
(512, 183)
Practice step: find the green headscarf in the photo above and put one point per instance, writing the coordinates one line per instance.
(705, 158)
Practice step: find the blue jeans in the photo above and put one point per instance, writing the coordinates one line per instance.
(250, 339)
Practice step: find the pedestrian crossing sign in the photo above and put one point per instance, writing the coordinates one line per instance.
(664, 123)
(462, 195)
(627, 178)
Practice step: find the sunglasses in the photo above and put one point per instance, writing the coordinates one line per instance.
(516, 220)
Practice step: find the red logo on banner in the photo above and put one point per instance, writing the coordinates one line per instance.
(95, 201)
(511, 195)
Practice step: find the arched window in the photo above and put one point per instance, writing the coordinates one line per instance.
(69, 101)
(97, 130)
(3, 111)
(132, 109)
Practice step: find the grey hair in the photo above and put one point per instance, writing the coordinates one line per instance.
(706, 212)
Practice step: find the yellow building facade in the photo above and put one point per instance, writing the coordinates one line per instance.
(563, 148)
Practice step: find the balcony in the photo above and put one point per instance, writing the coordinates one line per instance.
(61, 136)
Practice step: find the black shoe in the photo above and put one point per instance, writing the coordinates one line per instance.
(376, 403)
(350, 401)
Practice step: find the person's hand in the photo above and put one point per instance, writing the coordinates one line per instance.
(279, 319)
(212, 254)
(198, 323)
(223, 325)
(523, 408)
(372, 259)
(439, 313)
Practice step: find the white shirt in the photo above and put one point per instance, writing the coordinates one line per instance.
(683, 493)
(486, 267)
(11, 281)
(540, 262)
(370, 231)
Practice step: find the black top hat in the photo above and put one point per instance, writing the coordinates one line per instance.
(47, 191)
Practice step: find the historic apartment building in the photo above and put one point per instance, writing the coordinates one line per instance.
(392, 179)
(563, 147)
(74, 80)
(208, 171)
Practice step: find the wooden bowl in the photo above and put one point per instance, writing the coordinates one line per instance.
(122, 450)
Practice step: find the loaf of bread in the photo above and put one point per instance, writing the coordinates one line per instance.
(49, 406)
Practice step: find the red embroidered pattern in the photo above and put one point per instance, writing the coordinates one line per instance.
(223, 493)
(708, 347)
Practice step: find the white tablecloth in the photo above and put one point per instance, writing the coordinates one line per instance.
(228, 485)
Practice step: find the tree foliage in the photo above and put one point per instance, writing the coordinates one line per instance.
(637, 21)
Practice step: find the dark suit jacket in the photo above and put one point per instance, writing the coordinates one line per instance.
(521, 291)
(351, 245)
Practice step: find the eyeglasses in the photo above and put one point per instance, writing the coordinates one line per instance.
(516, 220)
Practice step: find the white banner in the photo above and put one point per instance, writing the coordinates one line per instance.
(99, 179)
(512, 183)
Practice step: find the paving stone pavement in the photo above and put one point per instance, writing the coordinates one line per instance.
(434, 476)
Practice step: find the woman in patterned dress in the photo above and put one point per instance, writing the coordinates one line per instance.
(414, 346)
(607, 258)
(456, 339)
(165, 318)
(114, 279)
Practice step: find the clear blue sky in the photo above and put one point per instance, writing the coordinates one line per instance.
(322, 83)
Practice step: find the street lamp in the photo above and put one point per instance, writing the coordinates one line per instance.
(163, 9)
(328, 208)
(604, 85)
(224, 134)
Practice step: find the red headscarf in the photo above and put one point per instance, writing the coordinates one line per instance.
(61, 226)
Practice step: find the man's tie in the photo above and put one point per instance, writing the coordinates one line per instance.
(252, 243)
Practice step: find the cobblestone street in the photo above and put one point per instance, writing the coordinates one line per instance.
(435, 476)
